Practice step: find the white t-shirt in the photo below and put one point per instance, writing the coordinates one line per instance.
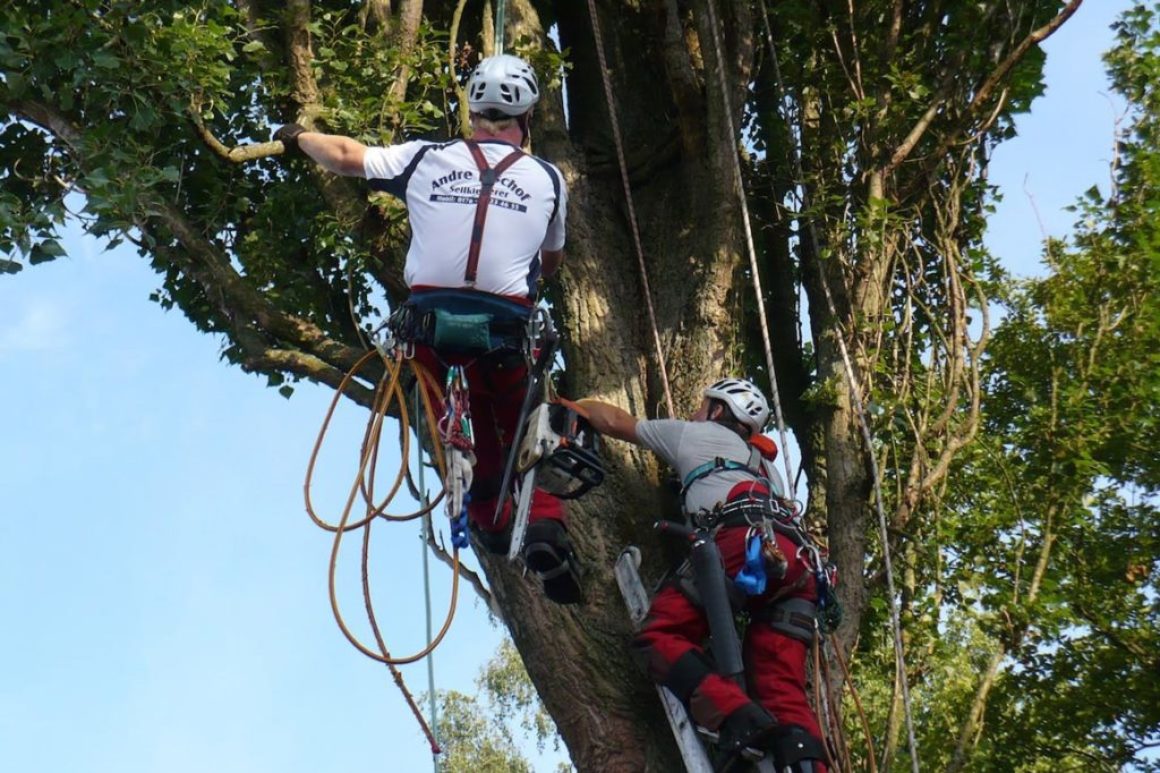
(686, 445)
(439, 183)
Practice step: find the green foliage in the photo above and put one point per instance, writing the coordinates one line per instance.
(482, 732)
(135, 81)
(1040, 559)
(1040, 549)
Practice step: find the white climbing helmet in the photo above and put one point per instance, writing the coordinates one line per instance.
(502, 83)
(744, 399)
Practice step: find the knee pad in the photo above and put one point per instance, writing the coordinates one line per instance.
(686, 674)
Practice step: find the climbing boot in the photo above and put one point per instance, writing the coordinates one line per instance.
(548, 554)
(793, 748)
(744, 734)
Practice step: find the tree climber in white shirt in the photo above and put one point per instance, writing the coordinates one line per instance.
(472, 257)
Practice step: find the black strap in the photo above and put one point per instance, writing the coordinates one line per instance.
(793, 617)
(487, 179)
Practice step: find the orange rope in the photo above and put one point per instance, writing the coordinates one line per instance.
(394, 369)
(387, 392)
(395, 673)
(858, 704)
(823, 722)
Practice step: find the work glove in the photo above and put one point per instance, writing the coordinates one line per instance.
(288, 136)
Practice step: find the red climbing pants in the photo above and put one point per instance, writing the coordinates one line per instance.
(775, 664)
(497, 383)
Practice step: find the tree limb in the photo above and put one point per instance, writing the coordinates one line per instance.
(240, 153)
(304, 89)
(983, 94)
(214, 272)
(1036, 36)
(405, 32)
(473, 579)
(308, 366)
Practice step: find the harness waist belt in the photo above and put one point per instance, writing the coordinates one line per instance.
(747, 512)
(457, 331)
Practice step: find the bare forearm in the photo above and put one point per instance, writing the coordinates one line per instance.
(610, 420)
(334, 153)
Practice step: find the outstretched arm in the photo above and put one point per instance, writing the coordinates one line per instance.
(609, 420)
(333, 152)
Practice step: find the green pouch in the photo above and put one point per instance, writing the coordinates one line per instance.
(462, 332)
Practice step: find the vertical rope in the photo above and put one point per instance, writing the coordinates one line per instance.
(619, 142)
(426, 533)
(739, 188)
(863, 422)
(499, 23)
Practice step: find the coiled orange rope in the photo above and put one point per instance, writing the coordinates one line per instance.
(388, 394)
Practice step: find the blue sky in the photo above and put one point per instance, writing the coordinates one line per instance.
(162, 591)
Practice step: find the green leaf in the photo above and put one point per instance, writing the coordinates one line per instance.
(106, 60)
(47, 250)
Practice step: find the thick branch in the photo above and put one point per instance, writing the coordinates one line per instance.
(300, 54)
(308, 366)
(1037, 36)
(473, 579)
(218, 278)
(48, 119)
(405, 33)
(238, 154)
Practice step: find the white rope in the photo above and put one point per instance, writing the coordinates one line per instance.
(863, 423)
(739, 187)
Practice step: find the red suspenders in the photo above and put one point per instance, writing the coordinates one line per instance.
(487, 178)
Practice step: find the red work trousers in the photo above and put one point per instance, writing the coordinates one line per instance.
(775, 664)
(496, 384)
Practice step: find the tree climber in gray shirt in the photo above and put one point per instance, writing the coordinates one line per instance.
(729, 485)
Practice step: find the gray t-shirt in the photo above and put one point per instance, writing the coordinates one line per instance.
(686, 445)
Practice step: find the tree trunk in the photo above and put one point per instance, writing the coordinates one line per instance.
(687, 210)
